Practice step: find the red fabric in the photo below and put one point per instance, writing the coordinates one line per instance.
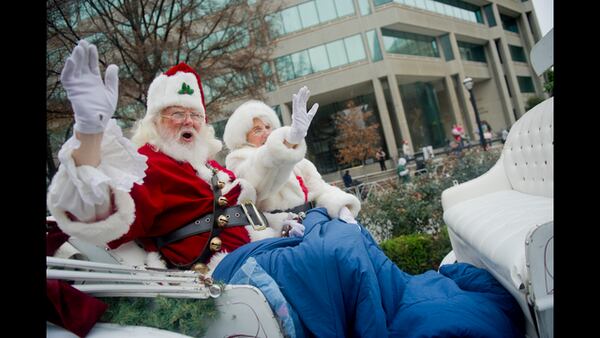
(303, 187)
(183, 67)
(54, 238)
(216, 165)
(72, 309)
(173, 195)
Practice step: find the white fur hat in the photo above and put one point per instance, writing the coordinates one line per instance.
(240, 122)
(178, 86)
(401, 161)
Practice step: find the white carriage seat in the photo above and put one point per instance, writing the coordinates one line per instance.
(489, 218)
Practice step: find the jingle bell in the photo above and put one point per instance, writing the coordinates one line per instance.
(215, 244)
(222, 220)
(222, 201)
(220, 184)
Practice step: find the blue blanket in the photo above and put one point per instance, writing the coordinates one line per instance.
(338, 283)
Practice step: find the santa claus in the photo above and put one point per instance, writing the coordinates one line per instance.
(166, 204)
(271, 158)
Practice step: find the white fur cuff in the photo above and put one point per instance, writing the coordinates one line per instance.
(334, 200)
(279, 151)
(101, 232)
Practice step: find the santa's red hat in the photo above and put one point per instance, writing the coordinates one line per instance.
(178, 86)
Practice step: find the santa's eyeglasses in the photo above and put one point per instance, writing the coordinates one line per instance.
(181, 116)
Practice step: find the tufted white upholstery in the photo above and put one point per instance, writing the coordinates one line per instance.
(529, 152)
(490, 217)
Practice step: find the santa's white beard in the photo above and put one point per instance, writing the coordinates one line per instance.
(203, 146)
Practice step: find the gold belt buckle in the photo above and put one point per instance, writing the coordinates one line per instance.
(262, 225)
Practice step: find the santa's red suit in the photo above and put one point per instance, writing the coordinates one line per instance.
(132, 196)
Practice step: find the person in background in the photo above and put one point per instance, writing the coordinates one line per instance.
(347, 179)
(380, 155)
(402, 171)
(487, 134)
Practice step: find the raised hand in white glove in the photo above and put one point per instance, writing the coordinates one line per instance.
(93, 101)
(300, 118)
(346, 216)
(294, 229)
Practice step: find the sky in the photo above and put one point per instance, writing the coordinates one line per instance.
(544, 10)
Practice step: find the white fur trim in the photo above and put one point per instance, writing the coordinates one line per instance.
(163, 92)
(276, 219)
(240, 122)
(214, 261)
(101, 232)
(154, 260)
(247, 191)
(257, 235)
(279, 151)
(334, 200)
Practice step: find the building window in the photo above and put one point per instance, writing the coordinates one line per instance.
(365, 8)
(336, 52)
(320, 58)
(454, 8)
(447, 47)
(397, 42)
(509, 23)
(517, 53)
(525, 84)
(489, 14)
(308, 14)
(354, 48)
(374, 46)
(471, 52)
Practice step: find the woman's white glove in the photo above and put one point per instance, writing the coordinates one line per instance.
(294, 229)
(346, 216)
(300, 118)
(93, 101)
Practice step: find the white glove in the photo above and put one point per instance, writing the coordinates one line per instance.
(300, 118)
(346, 216)
(295, 229)
(93, 101)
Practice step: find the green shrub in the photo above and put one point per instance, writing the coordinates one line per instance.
(416, 209)
(417, 253)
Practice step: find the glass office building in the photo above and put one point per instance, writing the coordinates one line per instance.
(404, 61)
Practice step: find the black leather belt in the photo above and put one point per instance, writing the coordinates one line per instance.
(236, 215)
(297, 209)
(245, 213)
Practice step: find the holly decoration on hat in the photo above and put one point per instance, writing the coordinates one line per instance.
(185, 89)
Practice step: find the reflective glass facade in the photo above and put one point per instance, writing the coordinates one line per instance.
(471, 52)
(517, 53)
(320, 58)
(397, 42)
(526, 84)
(321, 137)
(489, 14)
(308, 14)
(374, 46)
(447, 47)
(509, 23)
(422, 110)
(454, 8)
